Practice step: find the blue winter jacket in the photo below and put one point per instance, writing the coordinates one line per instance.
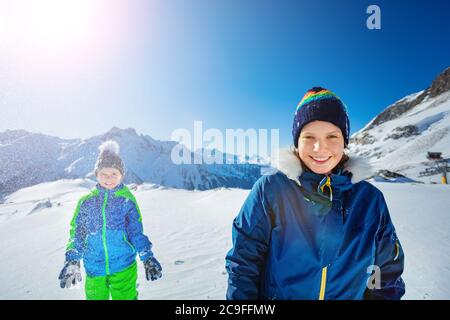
(315, 237)
(107, 232)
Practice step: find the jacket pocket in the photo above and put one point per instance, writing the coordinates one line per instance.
(127, 242)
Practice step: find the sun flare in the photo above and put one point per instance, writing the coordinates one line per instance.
(60, 33)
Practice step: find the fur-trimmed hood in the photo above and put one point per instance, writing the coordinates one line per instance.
(288, 163)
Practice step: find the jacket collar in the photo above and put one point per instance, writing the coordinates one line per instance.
(102, 189)
(289, 164)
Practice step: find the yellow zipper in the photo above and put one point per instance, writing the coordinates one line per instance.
(327, 184)
(397, 250)
(323, 284)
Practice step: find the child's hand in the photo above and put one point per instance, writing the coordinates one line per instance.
(152, 269)
(70, 274)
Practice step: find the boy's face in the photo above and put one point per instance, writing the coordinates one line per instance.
(109, 178)
(321, 146)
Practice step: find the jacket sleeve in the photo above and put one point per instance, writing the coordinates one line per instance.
(389, 261)
(78, 233)
(135, 232)
(250, 235)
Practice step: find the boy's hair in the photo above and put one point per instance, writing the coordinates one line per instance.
(109, 157)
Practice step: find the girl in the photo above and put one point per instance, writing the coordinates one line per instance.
(315, 229)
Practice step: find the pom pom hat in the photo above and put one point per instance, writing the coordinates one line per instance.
(109, 157)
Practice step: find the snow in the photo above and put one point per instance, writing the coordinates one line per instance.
(71, 167)
(50, 190)
(421, 215)
(406, 99)
(191, 234)
(407, 155)
(425, 123)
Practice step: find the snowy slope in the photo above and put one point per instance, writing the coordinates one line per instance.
(30, 158)
(191, 233)
(400, 137)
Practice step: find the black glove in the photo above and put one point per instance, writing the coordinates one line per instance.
(152, 269)
(70, 274)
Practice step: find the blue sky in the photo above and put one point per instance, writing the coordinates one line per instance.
(160, 65)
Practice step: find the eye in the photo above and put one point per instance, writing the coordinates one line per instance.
(333, 136)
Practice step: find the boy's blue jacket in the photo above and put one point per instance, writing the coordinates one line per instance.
(107, 232)
(294, 239)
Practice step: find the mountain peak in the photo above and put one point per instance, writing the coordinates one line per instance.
(400, 137)
(9, 136)
(441, 83)
(116, 131)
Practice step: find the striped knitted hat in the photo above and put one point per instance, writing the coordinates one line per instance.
(320, 104)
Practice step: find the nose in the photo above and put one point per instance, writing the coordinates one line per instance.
(318, 145)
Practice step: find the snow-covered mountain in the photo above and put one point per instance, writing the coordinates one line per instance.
(31, 158)
(399, 138)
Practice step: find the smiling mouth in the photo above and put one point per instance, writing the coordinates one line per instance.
(320, 160)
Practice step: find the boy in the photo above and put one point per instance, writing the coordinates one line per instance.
(107, 233)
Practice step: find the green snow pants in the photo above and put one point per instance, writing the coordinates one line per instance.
(120, 285)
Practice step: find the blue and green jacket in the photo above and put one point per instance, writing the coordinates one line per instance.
(107, 231)
(301, 235)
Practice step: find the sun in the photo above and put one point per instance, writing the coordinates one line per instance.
(46, 32)
(56, 22)
(52, 23)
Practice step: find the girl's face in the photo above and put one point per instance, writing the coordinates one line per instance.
(109, 178)
(321, 146)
